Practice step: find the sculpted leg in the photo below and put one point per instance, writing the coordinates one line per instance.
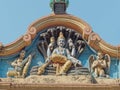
(96, 72)
(18, 74)
(58, 69)
(102, 73)
(12, 74)
(65, 67)
(41, 69)
(75, 61)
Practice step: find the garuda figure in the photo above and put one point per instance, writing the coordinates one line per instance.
(100, 65)
(20, 65)
(60, 56)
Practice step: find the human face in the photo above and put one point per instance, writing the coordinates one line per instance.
(100, 56)
(22, 54)
(61, 42)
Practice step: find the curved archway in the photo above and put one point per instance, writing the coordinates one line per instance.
(64, 20)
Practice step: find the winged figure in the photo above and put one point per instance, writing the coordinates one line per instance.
(100, 65)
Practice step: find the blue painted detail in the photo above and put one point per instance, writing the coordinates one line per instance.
(119, 68)
(114, 68)
(38, 60)
(85, 55)
(4, 67)
(5, 62)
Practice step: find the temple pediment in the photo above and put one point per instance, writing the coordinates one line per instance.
(93, 39)
(59, 50)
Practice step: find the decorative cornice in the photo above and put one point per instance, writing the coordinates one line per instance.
(10, 86)
(70, 21)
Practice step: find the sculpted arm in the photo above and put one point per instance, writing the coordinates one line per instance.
(14, 63)
(73, 51)
(74, 60)
(54, 52)
(68, 54)
(104, 64)
(50, 56)
(94, 64)
(49, 50)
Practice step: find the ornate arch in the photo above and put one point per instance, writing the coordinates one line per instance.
(62, 20)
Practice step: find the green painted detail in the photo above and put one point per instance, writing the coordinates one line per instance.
(61, 1)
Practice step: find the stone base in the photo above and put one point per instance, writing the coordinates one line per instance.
(107, 81)
(79, 82)
(80, 79)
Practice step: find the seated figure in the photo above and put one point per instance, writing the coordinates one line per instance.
(51, 46)
(60, 57)
(20, 65)
(101, 65)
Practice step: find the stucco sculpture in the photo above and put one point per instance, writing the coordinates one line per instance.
(20, 65)
(61, 57)
(100, 65)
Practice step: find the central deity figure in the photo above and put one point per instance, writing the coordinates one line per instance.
(60, 57)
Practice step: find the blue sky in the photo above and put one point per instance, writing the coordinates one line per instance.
(102, 15)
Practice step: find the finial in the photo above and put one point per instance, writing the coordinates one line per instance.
(59, 6)
(61, 36)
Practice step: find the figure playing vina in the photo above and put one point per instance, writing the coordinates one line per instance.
(60, 57)
(20, 65)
